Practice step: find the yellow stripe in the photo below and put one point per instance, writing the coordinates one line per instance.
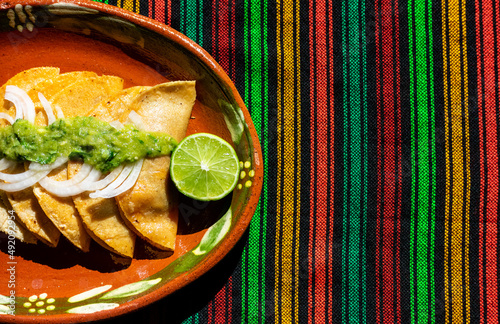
(288, 184)
(456, 265)
(129, 5)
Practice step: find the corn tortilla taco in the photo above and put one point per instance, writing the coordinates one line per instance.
(150, 206)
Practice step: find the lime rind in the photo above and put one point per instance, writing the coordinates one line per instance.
(204, 167)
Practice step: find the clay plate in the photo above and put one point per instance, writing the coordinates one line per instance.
(62, 285)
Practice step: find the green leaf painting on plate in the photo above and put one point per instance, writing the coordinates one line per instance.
(212, 237)
(234, 119)
(88, 294)
(128, 290)
(92, 308)
(214, 234)
(4, 309)
(132, 289)
(4, 300)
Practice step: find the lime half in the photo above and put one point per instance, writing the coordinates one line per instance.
(204, 167)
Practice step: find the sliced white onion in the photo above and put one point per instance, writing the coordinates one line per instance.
(129, 182)
(33, 172)
(6, 164)
(59, 112)
(26, 183)
(116, 124)
(22, 102)
(105, 181)
(7, 117)
(126, 185)
(82, 174)
(115, 183)
(43, 167)
(19, 108)
(17, 177)
(136, 119)
(93, 177)
(74, 186)
(48, 108)
(127, 169)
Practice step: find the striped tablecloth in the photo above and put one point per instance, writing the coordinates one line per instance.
(379, 122)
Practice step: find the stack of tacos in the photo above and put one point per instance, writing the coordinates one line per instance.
(147, 210)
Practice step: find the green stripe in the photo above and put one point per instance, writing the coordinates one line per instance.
(194, 319)
(355, 164)
(191, 22)
(423, 162)
(101, 1)
(256, 80)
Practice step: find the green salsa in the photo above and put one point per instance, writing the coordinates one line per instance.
(81, 138)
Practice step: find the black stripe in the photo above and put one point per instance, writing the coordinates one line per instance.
(440, 162)
(464, 158)
(272, 212)
(113, 2)
(339, 163)
(371, 233)
(175, 14)
(475, 177)
(406, 185)
(305, 191)
(279, 220)
(143, 8)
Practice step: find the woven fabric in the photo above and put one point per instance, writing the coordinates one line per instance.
(379, 125)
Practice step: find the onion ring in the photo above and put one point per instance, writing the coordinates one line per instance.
(100, 184)
(6, 164)
(48, 108)
(125, 185)
(26, 183)
(73, 186)
(127, 169)
(7, 117)
(23, 103)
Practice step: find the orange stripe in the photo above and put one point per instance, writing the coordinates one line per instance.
(288, 184)
(456, 252)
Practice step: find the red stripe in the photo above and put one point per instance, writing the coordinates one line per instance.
(159, 10)
(222, 304)
(209, 312)
(223, 46)
(169, 13)
(488, 123)
(223, 50)
(320, 297)
(230, 300)
(387, 265)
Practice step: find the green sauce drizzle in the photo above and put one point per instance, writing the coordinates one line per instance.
(81, 138)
